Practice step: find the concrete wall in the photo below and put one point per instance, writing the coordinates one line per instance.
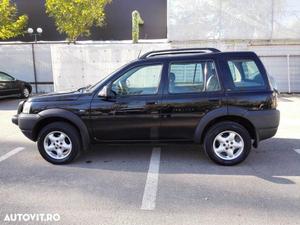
(282, 61)
(16, 60)
(74, 66)
(77, 65)
(233, 19)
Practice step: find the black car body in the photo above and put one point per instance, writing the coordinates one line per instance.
(194, 95)
(11, 87)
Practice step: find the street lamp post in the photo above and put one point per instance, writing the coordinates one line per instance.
(31, 32)
(38, 32)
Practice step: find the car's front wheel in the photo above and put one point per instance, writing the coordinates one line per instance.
(59, 143)
(227, 143)
(25, 92)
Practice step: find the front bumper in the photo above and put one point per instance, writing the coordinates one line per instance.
(14, 119)
(27, 123)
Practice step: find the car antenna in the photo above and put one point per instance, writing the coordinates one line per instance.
(140, 51)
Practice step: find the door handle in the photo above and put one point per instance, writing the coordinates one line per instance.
(150, 103)
(214, 100)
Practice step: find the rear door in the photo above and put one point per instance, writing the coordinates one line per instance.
(192, 89)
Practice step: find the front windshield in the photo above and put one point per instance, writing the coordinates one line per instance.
(92, 88)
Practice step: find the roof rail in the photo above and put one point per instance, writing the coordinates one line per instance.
(179, 51)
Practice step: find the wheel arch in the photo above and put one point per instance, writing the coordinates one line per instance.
(25, 85)
(29, 87)
(221, 115)
(57, 115)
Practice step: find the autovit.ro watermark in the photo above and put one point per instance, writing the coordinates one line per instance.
(32, 217)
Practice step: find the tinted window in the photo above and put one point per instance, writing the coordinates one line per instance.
(4, 77)
(193, 77)
(138, 81)
(245, 74)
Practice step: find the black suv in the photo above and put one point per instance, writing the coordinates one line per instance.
(223, 100)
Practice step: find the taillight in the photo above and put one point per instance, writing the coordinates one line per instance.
(274, 100)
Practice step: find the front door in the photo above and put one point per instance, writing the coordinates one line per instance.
(133, 111)
(193, 89)
(6, 85)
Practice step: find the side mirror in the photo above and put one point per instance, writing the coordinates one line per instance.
(104, 92)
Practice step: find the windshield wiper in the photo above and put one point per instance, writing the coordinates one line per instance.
(83, 88)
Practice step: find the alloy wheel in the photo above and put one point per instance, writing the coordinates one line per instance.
(228, 145)
(26, 92)
(57, 145)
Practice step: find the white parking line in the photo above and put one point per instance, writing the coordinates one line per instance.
(11, 153)
(297, 150)
(150, 191)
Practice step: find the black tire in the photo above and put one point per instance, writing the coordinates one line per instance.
(224, 127)
(72, 136)
(25, 92)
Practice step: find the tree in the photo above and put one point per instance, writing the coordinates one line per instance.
(11, 25)
(76, 17)
(136, 22)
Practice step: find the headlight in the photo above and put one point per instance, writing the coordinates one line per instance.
(20, 107)
(26, 107)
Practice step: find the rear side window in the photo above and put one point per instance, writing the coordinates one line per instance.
(193, 77)
(245, 74)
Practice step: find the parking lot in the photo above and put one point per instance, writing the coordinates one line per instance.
(154, 184)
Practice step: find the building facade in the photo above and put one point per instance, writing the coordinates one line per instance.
(271, 28)
(118, 20)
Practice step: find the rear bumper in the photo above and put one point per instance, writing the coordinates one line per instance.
(266, 133)
(266, 123)
(26, 123)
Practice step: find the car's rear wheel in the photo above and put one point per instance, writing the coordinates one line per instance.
(25, 92)
(59, 143)
(227, 143)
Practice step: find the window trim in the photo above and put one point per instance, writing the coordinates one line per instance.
(141, 65)
(195, 61)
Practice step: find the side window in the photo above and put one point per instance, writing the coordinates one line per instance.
(4, 77)
(193, 77)
(138, 81)
(245, 74)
